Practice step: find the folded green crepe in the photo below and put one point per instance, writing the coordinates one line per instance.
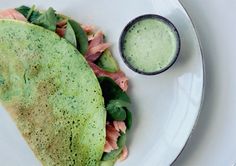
(52, 94)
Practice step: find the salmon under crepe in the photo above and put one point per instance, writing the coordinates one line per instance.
(52, 94)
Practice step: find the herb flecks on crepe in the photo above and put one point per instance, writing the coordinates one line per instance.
(96, 52)
(52, 94)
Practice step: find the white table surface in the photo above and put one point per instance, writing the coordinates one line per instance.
(213, 142)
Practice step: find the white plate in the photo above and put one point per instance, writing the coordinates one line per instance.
(165, 106)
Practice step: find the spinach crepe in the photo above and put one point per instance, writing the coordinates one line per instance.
(61, 84)
(52, 94)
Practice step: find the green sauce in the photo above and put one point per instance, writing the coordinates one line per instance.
(150, 45)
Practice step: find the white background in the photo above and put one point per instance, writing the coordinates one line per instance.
(213, 142)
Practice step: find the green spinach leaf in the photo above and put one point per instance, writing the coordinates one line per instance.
(34, 16)
(81, 37)
(70, 34)
(111, 91)
(30, 13)
(48, 19)
(116, 100)
(24, 10)
(129, 119)
(116, 109)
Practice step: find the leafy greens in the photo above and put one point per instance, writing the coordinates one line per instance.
(30, 13)
(116, 100)
(48, 19)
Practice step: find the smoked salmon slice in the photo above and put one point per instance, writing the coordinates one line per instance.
(12, 14)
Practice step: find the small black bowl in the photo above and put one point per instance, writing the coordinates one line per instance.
(140, 18)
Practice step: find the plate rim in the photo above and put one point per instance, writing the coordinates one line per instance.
(203, 84)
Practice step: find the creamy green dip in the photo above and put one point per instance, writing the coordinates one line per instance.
(150, 45)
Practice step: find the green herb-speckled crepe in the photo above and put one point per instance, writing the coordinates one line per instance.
(52, 94)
